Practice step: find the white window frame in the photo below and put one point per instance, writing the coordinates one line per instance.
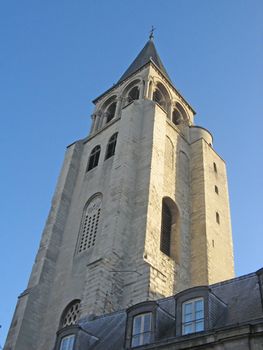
(194, 321)
(144, 336)
(67, 342)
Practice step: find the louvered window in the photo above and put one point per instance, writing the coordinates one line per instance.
(94, 158)
(166, 229)
(89, 225)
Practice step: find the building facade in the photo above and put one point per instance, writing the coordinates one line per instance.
(140, 211)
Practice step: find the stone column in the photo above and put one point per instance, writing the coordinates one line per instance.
(141, 89)
(97, 121)
(93, 117)
(150, 90)
(170, 110)
(118, 107)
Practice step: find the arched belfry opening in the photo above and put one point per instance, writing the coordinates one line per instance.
(109, 109)
(161, 96)
(169, 237)
(131, 92)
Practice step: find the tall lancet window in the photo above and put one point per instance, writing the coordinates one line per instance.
(111, 146)
(170, 238)
(94, 158)
(166, 229)
(90, 223)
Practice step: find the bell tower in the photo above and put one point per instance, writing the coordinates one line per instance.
(140, 210)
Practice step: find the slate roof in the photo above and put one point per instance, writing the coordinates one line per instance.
(147, 54)
(241, 296)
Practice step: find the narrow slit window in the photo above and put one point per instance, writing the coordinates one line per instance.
(215, 167)
(166, 228)
(217, 218)
(216, 190)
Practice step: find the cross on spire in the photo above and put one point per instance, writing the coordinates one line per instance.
(151, 33)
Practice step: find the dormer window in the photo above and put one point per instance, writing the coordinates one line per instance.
(193, 316)
(141, 329)
(141, 320)
(67, 343)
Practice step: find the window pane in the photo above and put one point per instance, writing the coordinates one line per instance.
(67, 343)
(199, 305)
(147, 323)
(188, 308)
(199, 314)
(146, 338)
(137, 325)
(193, 316)
(136, 340)
(188, 318)
(199, 326)
(187, 329)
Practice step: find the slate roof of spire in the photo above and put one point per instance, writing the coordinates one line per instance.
(147, 54)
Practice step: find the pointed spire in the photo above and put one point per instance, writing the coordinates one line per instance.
(147, 54)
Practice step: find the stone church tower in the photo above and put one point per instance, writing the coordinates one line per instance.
(140, 211)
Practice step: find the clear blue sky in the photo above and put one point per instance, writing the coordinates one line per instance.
(56, 56)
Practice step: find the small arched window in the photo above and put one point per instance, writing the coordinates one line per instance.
(89, 224)
(94, 158)
(166, 229)
(133, 94)
(110, 112)
(111, 146)
(70, 315)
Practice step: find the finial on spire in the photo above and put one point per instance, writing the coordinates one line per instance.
(151, 33)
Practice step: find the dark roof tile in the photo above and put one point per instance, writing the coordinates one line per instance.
(147, 54)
